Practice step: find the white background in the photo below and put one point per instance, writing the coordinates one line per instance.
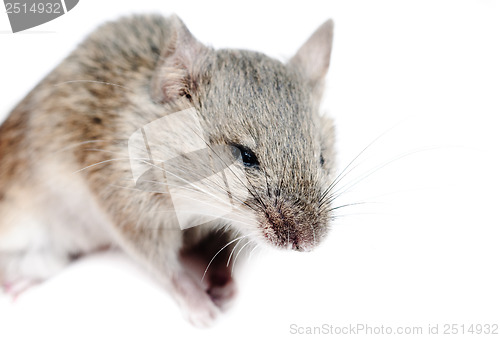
(424, 250)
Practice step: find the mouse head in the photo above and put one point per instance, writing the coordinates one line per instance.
(267, 112)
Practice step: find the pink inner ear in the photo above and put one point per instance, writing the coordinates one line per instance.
(313, 57)
(175, 76)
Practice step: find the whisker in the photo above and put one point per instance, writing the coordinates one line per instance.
(214, 184)
(92, 81)
(251, 252)
(347, 205)
(356, 214)
(267, 183)
(370, 172)
(182, 179)
(188, 188)
(232, 251)
(217, 216)
(235, 258)
(204, 191)
(103, 162)
(190, 211)
(339, 176)
(223, 162)
(218, 252)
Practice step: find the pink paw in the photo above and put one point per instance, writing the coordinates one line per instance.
(15, 288)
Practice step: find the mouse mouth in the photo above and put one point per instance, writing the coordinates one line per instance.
(287, 238)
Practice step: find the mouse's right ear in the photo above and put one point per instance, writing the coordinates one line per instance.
(176, 74)
(313, 58)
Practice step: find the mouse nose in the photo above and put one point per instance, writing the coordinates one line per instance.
(288, 232)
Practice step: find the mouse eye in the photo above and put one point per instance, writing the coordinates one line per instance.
(321, 160)
(247, 156)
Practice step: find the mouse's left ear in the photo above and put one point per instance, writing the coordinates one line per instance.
(178, 70)
(313, 58)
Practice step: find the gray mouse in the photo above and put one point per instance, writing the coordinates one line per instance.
(182, 155)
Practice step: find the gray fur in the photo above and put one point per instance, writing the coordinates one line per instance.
(61, 177)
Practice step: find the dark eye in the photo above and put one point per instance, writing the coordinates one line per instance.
(321, 160)
(248, 156)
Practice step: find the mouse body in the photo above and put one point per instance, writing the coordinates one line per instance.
(182, 155)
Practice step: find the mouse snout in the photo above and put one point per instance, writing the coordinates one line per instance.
(289, 228)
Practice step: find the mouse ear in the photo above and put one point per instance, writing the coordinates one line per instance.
(313, 58)
(176, 74)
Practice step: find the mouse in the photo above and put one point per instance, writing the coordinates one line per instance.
(182, 155)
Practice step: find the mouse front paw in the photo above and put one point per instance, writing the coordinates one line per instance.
(202, 315)
(15, 288)
(196, 304)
